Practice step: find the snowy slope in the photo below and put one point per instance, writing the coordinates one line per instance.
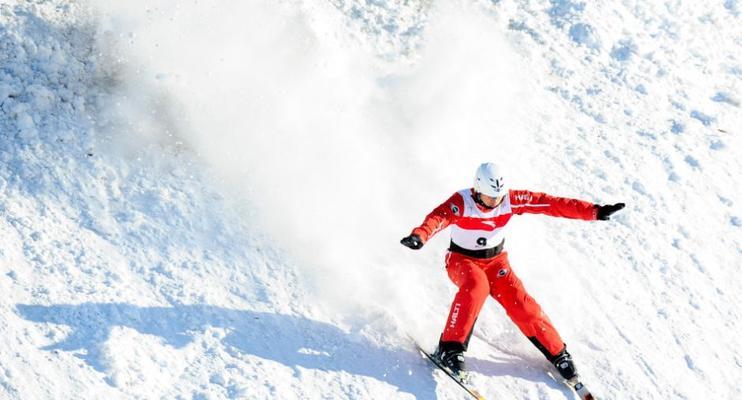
(205, 200)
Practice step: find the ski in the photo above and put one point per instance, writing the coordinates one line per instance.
(464, 385)
(577, 386)
(580, 389)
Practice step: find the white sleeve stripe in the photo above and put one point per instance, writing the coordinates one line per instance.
(531, 205)
(437, 228)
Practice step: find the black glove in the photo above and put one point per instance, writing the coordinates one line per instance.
(413, 241)
(604, 212)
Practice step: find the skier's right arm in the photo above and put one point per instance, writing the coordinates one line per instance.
(437, 220)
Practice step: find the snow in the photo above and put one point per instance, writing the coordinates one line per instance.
(201, 201)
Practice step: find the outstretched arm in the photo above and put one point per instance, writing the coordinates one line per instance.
(524, 201)
(436, 221)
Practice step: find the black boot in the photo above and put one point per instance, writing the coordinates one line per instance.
(451, 356)
(562, 361)
(564, 365)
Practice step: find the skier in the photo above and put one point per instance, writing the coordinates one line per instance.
(477, 263)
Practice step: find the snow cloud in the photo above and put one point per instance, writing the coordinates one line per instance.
(338, 153)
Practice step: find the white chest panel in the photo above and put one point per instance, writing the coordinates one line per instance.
(476, 229)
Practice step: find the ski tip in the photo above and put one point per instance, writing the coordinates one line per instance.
(585, 394)
(580, 388)
(477, 396)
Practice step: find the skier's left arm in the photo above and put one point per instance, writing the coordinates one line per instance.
(524, 201)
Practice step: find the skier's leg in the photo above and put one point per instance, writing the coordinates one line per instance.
(522, 309)
(473, 290)
(473, 285)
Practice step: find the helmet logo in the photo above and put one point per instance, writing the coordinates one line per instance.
(499, 184)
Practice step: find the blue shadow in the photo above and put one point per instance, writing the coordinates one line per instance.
(291, 340)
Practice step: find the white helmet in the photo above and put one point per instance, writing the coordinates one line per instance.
(489, 181)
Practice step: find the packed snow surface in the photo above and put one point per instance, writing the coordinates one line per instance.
(204, 200)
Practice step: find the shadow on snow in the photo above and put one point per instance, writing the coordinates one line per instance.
(293, 341)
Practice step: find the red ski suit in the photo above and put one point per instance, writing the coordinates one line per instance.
(479, 267)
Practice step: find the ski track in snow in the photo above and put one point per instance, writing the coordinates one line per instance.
(128, 270)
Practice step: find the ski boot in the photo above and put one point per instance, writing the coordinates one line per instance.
(451, 356)
(565, 366)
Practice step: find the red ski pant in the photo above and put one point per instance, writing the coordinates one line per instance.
(478, 278)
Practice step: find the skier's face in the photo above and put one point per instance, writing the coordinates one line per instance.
(491, 201)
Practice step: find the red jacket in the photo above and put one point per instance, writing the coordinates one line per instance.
(452, 212)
